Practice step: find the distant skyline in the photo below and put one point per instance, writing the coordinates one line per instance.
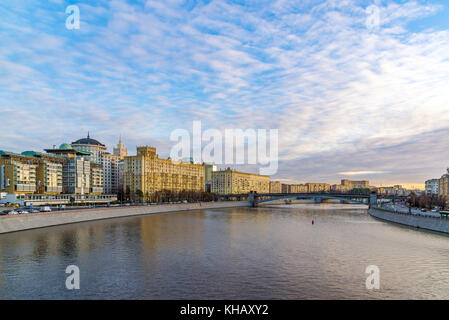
(350, 101)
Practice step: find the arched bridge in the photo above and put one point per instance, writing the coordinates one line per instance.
(256, 198)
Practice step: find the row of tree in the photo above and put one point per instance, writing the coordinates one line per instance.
(427, 201)
(166, 196)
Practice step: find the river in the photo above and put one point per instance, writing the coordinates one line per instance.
(272, 252)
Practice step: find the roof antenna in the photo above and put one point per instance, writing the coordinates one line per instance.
(88, 137)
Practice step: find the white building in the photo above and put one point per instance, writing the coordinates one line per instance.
(111, 173)
(110, 162)
(432, 186)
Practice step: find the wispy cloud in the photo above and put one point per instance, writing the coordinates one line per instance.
(360, 173)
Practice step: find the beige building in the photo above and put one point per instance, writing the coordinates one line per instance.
(147, 173)
(318, 187)
(444, 185)
(48, 172)
(275, 187)
(348, 185)
(234, 182)
(17, 173)
(30, 172)
(96, 178)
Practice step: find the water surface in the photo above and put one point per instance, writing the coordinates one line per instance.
(242, 253)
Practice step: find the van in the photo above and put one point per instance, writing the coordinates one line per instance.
(45, 209)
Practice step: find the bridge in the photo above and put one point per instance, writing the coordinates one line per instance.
(368, 199)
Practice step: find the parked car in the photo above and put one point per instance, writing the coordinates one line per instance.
(3, 213)
(45, 209)
(13, 212)
(22, 211)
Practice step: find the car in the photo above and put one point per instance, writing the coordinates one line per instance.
(3, 213)
(13, 212)
(22, 211)
(34, 211)
(45, 209)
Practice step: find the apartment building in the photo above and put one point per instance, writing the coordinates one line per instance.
(147, 173)
(234, 182)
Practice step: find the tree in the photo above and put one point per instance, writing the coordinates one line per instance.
(139, 195)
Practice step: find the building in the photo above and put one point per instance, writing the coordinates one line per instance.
(95, 148)
(209, 169)
(96, 178)
(432, 187)
(354, 184)
(396, 190)
(111, 163)
(234, 182)
(348, 185)
(443, 185)
(111, 173)
(17, 173)
(318, 187)
(120, 151)
(275, 187)
(48, 172)
(76, 171)
(146, 173)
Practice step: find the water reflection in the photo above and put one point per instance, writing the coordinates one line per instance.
(268, 253)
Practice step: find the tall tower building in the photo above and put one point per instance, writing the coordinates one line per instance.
(120, 151)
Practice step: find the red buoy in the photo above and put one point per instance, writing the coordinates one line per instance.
(313, 222)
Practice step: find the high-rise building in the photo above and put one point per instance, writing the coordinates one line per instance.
(234, 182)
(109, 162)
(146, 173)
(209, 169)
(432, 186)
(120, 151)
(111, 173)
(77, 172)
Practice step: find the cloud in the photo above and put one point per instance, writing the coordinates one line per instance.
(361, 173)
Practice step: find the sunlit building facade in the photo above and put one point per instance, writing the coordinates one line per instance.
(234, 182)
(146, 173)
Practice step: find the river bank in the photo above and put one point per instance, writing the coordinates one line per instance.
(412, 220)
(15, 223)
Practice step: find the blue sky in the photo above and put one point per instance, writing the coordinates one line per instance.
(349, 101)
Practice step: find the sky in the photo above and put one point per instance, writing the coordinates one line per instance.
(352, 97)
